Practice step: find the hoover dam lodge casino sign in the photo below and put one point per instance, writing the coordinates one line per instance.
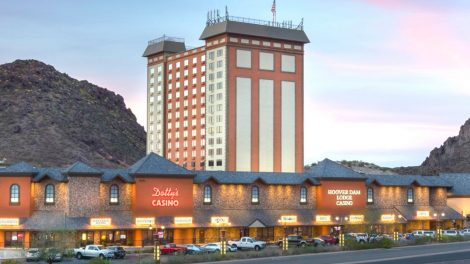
(341, 196)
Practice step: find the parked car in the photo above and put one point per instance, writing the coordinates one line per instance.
(119, 252)
(193, 249)
(465, 232)
(93, 251)
(172, 249)
(424, 233)
(215, 248)
(53, 254)
(33, 254)
(451, 232)
(248, 243)
(293, 241)
(329, 240)
(362, 237)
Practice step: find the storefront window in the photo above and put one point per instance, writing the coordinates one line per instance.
(370, 195)
(255, 195)
(303, 195)
(14, 239)
(49, 194)
(207, 195)
(14, 194)
(410, 196)
(114, 194)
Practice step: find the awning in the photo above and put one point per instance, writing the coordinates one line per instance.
(417, 212)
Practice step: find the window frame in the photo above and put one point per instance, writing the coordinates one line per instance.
(46, 196)
(408, 192)
(254, 190)
(305, 201)
(259, 61)
(282, 64)
(18, 194)
(236, 59)
(111, 188)
(207, 190)
(372, 198)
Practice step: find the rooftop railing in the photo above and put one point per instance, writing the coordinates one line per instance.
(166, 38)
(213, 18)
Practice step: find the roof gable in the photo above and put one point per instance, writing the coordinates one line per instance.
(153, 164)
(52, 173)
(330, 169)
(81, 168)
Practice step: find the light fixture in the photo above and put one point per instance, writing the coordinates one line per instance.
(337, 218)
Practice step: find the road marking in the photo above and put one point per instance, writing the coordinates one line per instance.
(406, 257)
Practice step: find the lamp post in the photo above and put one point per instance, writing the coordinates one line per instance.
(156, 246)
(340, 231)
(285, 243)
(438, 224)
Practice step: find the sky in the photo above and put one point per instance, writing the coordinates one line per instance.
(386, 81)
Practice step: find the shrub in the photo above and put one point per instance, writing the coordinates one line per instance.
(448, 239)
(99, 261)
(11, 261)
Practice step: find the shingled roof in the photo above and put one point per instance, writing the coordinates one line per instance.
(407, 180)
(20, 168)
(53, 173)
(460, 183)
(256, 30)
(79, 168)
(153, 164)
(164, 46)
(238, 177)
(330, 169)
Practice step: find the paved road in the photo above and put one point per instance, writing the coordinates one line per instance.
(436, 253)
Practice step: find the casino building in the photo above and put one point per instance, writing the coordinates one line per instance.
(81, 204)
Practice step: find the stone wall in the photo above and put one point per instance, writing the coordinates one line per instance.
(438, 196)
(60, 199)
(125, 196)
(84, 199)
(238, 196)
(391, 196)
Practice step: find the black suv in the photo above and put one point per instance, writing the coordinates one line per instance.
(119, 252)
(298, 241)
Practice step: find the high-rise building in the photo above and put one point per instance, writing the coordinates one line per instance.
(235, 103)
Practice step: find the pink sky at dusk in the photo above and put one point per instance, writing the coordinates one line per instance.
(385, 81)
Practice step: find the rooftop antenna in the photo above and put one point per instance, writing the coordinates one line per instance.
(273, 10)
(226, 13)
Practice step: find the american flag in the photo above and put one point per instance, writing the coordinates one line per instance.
(273, 8)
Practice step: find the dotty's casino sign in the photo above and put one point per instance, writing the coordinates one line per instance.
(163, 196)
(341, 196)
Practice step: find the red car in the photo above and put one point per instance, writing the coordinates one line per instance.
(329, 240)
(172, 249)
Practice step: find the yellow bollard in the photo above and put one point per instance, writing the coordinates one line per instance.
(156, 253)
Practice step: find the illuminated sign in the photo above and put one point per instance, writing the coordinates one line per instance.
(387, 217)
(9, 221)
(183, 220)
(167, 197)
(356, 218)
(145, 221)
(422, 213)
(219, 220)
(344, 197)
(288, 218)
(100, 221)
(323, 218)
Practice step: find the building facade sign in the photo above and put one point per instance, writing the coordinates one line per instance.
(356, 218)
(9, 221)
(422, 214)
(220, 220)
(163, 196)
(145, 221)
(183, 220)
(288, 218)
(341, 197)
(387, 218)
(100, 221)
(323, 218)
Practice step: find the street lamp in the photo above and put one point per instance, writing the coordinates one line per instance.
(285, 244)
(341, 233)
(438, 226)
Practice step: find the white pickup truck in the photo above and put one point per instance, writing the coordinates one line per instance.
(248, 243)
(93, 251)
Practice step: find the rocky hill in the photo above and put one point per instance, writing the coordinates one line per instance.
(50, 119)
